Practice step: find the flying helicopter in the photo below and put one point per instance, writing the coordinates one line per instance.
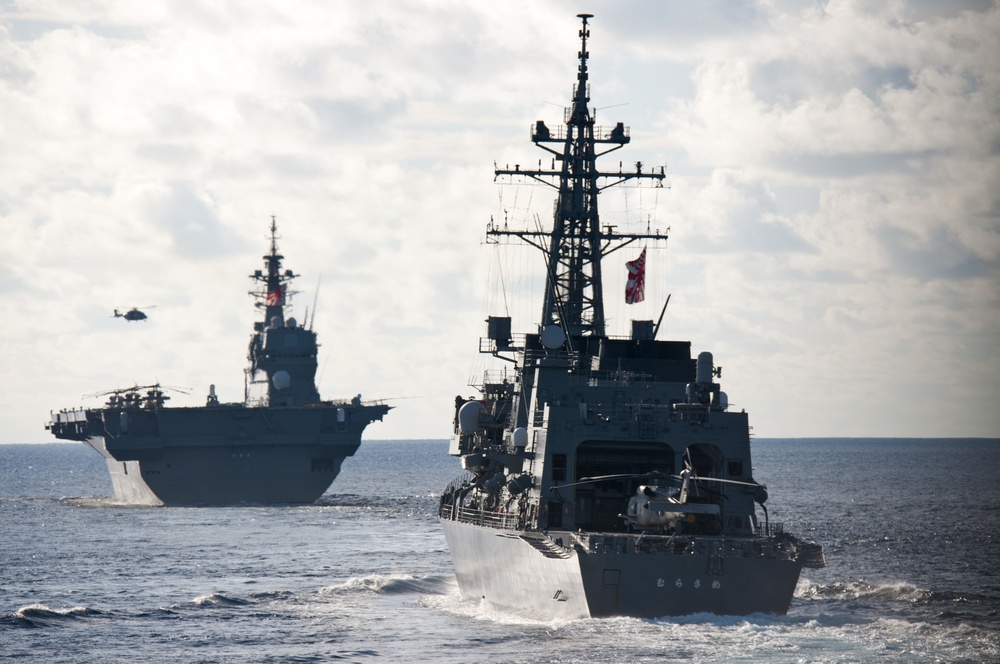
(133, 314)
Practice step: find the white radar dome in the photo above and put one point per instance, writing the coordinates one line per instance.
(468, 416)
(281, 380)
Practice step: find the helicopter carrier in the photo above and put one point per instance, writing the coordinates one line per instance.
(283, 444)
(605, 476)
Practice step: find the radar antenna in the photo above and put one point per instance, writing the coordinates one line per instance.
(576, 244)
(273, 292)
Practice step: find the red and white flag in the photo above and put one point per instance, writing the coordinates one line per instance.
(276, 297)
(635, 287)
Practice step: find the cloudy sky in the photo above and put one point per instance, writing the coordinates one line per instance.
(833, 205)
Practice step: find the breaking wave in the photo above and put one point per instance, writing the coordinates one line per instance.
(853, 590)
(218, 599)
(39, 615)
(899, 591)
(452, 602)
(403, 584)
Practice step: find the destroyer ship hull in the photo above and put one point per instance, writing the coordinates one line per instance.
(222, 455)
(605, 475)
(531, 574)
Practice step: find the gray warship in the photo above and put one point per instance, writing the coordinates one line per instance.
(605, 476)
(281, 445)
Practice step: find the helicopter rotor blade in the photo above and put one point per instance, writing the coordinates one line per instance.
(716, 479)
(698, 478)
(601, 478)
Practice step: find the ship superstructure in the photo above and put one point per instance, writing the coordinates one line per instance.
(281, 444)
(605, 476)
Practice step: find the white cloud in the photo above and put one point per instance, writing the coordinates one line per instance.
(835, 223)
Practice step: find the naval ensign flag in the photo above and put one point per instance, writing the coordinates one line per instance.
(635, 287)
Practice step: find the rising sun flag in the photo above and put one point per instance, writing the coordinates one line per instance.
(276, 297)
(635, 287)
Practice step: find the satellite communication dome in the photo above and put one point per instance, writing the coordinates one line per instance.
(281, 380)
(553, 337)
(468, 416)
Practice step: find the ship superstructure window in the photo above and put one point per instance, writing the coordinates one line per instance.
(555, 514)
(558, 467)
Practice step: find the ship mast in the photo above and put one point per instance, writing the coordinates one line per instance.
(275, 291)
(574, 297)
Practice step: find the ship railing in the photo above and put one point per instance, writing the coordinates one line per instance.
(633, 409)
(480, 517)
(352, 401)
(497, 377)
(262, 402)
(618, 133)
(624, 412)
(567, 356)
(67, 416)
(515, 343)
(463, 481)
(619, 378)
(768, 529)
(716, 547)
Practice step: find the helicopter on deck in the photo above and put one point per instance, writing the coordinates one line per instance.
(132, 314)
(658, 507)
(664, 504)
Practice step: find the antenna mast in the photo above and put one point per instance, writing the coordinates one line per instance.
(574, 297)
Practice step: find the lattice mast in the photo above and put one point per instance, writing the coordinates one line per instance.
(576, 244)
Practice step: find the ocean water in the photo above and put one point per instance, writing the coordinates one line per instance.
(911, 531)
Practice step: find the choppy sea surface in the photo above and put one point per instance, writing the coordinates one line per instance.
(911, 531)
